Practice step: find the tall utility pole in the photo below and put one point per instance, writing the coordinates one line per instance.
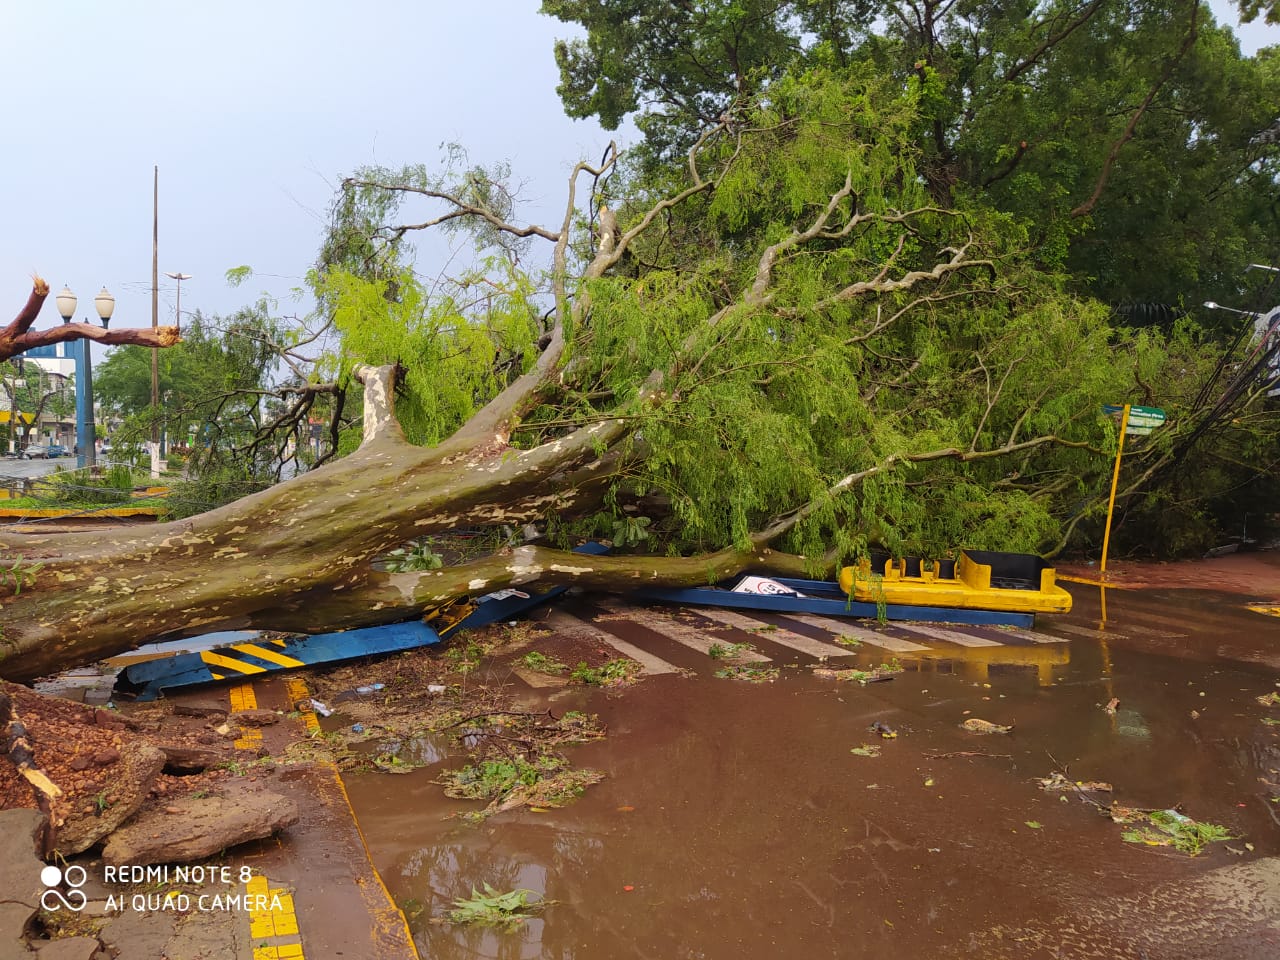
(155, 303)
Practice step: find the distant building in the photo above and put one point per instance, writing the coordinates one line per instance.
(54, 361)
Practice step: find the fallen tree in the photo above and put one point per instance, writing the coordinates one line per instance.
(784, 337)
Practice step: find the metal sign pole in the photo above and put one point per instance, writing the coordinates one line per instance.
(1115, 479)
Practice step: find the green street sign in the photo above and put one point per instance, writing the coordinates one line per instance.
(1142, 420)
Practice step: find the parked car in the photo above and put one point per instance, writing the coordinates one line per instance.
(57, 450)
(36, 451)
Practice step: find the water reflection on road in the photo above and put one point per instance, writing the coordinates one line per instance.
(734, 821)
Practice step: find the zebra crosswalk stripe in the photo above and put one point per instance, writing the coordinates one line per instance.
(568, 623)
(1033, 636)
(814, 648)
(955, 636)
(1149, 632)
(871, 637)
(681, 633)
(1090, 633)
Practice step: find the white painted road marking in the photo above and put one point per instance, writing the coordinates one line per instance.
(1090, 633)
(682, 633)
(872, 637)
(568, 624)
(814, 648)
(1032, 636)
(964, 639)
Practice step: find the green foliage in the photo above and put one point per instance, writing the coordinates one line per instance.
(464, 657)
(81, 487)
(750, 674)
(769, 407)
(214, 484)
(1026, 106)
(546, 780)
(1173, 829)
(15, 573)
(28, 393)
(495, 909)
(238, 275)
(845, 368)
(416, 555)
(456, 352)
(607, 674)
(719, 651)
(630, 531)
(543, 664)
(1250, 10)
(211, 404)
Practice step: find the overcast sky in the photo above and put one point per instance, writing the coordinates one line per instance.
(253, 111)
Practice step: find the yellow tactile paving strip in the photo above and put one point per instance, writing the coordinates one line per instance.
(243, 698)
(279, 926)
(298, 696)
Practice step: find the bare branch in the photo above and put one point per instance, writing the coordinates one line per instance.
(910, 279)
(461, 209)
(787, 521)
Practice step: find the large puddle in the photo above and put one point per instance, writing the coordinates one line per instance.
(734, 821)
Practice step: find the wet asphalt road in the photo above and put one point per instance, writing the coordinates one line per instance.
(26, 469)
(735, 822)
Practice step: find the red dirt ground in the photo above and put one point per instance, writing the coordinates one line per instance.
(1256, 574)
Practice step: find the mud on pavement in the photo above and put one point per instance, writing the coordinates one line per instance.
(679, 783)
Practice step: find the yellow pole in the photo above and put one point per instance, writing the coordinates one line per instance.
(1115, 479)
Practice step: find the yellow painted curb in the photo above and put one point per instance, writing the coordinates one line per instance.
(387, 917)
(50, 512)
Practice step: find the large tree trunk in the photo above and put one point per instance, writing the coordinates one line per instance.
(298, 556)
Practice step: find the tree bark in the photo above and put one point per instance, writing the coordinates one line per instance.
(298, 555)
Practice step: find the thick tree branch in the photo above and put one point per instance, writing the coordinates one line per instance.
(1052, 41)
(141, 337)
(1086, 208)
(1009, 166)
(384, 597)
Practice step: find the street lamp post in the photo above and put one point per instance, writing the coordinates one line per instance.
(85, 439)
(177, 310)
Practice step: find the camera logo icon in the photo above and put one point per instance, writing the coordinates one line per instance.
(54, 899)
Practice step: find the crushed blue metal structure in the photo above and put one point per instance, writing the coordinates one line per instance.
(236, 661)
(149, 679)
